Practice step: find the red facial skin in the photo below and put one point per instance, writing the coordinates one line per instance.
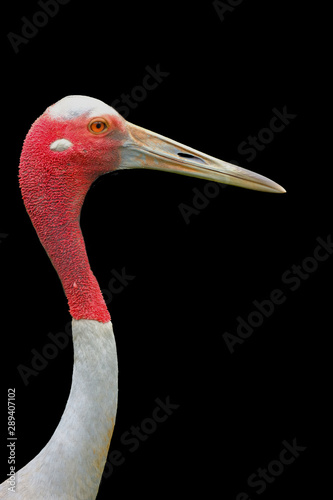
(54, 185)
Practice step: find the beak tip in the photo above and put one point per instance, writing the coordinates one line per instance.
(281, 190)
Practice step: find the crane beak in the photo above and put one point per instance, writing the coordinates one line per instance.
(145, 149)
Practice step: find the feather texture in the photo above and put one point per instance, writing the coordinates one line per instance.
(70, 466)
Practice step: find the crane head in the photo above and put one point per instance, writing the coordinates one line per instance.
(69, 146)
(91, 138)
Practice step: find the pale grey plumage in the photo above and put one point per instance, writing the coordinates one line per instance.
(70, 466)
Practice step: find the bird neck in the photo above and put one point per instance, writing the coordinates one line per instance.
(53, 197)
(87, 423)
(66, 249)
(71, 464)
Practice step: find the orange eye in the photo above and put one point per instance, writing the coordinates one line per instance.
(98, 126)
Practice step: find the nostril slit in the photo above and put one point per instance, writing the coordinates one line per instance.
(191, 157)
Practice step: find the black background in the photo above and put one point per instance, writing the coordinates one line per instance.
(191, 280)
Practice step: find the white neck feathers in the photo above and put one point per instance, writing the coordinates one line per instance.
(70, 466)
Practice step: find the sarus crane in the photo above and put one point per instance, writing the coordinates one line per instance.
(67, 148)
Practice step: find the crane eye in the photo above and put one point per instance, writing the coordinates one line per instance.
(98, 126)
